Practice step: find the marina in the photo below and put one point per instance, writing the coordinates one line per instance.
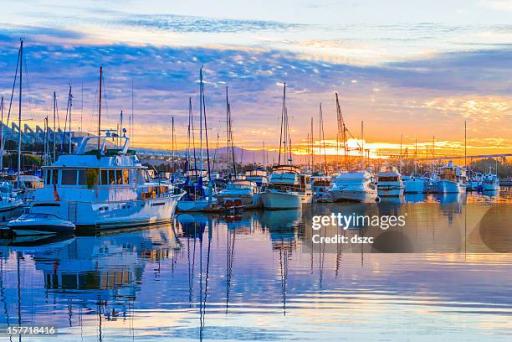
(96, 182)
(255, 171)
(110, 286)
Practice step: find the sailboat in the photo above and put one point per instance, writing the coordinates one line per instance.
(288, 188)
(320, 181)
(102, 188)
(10, 199)
(239, 191)
(356, 186)
(198, 184)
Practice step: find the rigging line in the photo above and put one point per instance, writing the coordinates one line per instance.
(206, 137)
(132, 118)
(82, 109)
(282, 122)
(191, 117)
(13, 86)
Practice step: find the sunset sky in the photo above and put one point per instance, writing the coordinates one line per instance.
(406, 68)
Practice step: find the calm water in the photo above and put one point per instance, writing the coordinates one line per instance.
(251, 277)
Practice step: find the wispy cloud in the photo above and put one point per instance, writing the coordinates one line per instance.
(392, 76)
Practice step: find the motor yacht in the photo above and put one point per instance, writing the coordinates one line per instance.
(239, 193)
(287, 189)
(103, 188)
(414, 184)
(451, 179)
(389, 182)
(357, 186)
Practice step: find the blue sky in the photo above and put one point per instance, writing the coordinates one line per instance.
(404, 67)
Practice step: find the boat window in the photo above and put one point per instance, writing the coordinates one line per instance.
(126, 177)
(48, 176)
(111, 177)
(55, 176)
(104, 177)
(68, 177)
(388, 179)
(82, 179)
(119, 176)
(147, 177)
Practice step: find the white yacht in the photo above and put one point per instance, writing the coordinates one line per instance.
(414, 184)
(239, 193)
(490, 183)
(389, 182)
(287, 189)
(358, 186)
(451, 179)
(103, 188)
(198, 197)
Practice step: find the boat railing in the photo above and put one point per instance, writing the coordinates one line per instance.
(104, 142)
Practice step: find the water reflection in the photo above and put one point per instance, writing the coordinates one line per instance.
(251, 276)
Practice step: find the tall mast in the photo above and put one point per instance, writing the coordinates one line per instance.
(342, 129)
(362, 144)
(99, 109)
(121, 117)
(70, 105)
(322, 136)
(201, 118)
(206, 132)
(400, 157)
(282, 139)
(465, 144)
(2, 136)
(230, 144)
(172, 139)
(19, 112)
(191, 128)
(54, 125)
(82, 109)
(132, 134)
(264, 154)
(312, 147)
(45, 147)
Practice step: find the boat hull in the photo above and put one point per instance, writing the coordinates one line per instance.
(111, 215)
(353, 195)
(283, 200)
(488, 187)
(474, 186)
(246, 201)
(390, 190)
(449, 187)
(196, 206)
(42, 230)
(414, 186)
